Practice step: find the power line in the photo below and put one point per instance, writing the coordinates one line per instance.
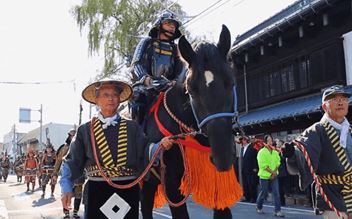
(34, 83)
(195, 20)
(213, 5)
(236, 4)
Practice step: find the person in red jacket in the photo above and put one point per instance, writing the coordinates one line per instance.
(30, 166)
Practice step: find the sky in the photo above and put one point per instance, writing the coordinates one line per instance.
(42, 48)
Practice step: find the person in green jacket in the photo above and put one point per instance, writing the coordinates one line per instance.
(268, 163)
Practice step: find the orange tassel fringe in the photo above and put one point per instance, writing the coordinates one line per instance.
(210, 188)
(159, 199)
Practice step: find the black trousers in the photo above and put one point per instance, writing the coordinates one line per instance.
(100, 192)
(250, 182)
(282, 181)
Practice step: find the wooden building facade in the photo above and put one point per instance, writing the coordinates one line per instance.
(283, 65)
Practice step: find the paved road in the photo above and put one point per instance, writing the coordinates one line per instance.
(15, 203)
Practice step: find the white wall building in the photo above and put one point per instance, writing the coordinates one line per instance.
(57, 133)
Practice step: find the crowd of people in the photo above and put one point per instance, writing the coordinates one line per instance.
(42, 167)
(327, 140)
(263, 166)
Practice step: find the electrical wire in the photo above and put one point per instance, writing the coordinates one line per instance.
(193, 19)
(196, 19)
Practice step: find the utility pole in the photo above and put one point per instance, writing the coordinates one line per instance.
(41, 121)
(25, 116)
(14, 149)
(90, 110)
(80, 112)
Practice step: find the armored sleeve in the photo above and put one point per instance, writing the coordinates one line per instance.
(140, 61)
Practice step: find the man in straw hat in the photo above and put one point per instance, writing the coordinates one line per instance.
(329, 146)
(121, 149)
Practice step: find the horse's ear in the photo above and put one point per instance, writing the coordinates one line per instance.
(185, 49)
(224, 41)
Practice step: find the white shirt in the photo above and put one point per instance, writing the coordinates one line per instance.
(245, 149)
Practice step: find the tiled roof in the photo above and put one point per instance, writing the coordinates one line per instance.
(288, 109)
(280, 21)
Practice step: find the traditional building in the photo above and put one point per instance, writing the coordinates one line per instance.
(284, 64)
(55, 133)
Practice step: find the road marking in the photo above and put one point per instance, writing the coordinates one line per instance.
(20, 196)
(161, 214)
(3, 211)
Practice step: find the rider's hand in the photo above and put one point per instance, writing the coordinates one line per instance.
(66, 200)
(171, 83)
(147, 81)
(167, 143)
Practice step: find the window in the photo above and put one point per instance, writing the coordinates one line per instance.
(287, 78)
(303, 70)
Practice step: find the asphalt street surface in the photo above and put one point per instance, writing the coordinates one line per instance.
(16, 203)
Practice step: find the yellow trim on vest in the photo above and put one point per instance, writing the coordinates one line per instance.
(346, 179)
(108, 164)
(163, 52)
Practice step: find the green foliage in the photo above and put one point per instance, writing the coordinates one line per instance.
(113, 25)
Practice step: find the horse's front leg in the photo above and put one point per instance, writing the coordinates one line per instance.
(222, 214)
(173, 193)
(174, 172)
(147, 202)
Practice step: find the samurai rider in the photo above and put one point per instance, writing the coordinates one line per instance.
(119, 150)
(78, 184)
(48, 164)
(5, 166)
(156, 64)
(30, 165)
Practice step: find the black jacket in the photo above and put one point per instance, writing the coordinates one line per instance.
(81, 155)
(324, 161)
(249, 160)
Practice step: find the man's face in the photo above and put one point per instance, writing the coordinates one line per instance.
(169, 25)
(244, 142)
(49, 150)
(336, 106)
(108, 99)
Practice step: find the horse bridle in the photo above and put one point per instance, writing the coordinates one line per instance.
(234, 115)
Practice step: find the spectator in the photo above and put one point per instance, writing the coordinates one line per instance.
(249, 167)
(268, 163)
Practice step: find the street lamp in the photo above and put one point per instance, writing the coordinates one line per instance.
(25, 117)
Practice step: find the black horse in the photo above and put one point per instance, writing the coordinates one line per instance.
(207, 87)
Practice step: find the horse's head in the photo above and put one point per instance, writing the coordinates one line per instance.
(210, 85)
